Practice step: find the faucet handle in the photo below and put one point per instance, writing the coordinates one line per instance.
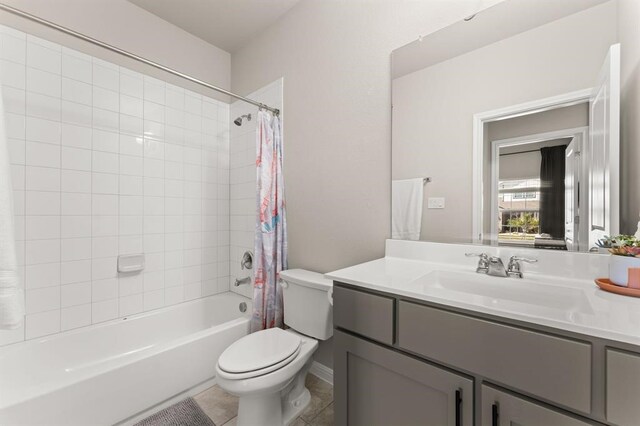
(522, 259)
(247, 260)
(480, 255)
(483, 262)
(514, 268)
(484, 258)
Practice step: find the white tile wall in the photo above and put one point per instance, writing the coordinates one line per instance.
(242, 175)
(107, 161)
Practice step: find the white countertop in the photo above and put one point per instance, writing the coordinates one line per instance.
(571, 304)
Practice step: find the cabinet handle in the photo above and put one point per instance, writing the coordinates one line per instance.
(494, 414)
(458, 407)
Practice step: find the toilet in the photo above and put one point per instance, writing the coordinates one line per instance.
(267, 369)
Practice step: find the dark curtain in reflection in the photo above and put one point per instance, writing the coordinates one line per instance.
(552, 174)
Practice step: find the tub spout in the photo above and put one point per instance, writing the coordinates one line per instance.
(241, 281)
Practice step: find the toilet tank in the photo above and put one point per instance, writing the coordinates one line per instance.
(307, 309)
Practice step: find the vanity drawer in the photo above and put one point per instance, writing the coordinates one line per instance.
(367, 314)
(556, 369)
(623, 387)
(502, 408)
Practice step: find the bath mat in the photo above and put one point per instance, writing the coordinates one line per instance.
(184, 413)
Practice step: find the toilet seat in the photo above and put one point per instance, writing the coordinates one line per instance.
(259, 353)
(260, 372)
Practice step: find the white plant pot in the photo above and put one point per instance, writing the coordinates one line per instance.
(619, 269)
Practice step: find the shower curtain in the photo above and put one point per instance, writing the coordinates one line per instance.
(271, 225)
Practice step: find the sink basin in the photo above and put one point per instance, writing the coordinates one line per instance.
(509, 294)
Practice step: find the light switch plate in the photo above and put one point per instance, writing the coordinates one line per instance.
(435, 203)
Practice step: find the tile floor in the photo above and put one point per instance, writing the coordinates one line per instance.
(222, 408)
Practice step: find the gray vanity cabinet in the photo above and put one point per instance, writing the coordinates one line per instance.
(368, 315)
(375, 385)
(623, 387)
(549, 367)
(503, 409)
(401, 361)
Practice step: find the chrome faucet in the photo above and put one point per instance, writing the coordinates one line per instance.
(483, 262)
(245, 280)
(514, 269)
(496, 267)
(492, 265)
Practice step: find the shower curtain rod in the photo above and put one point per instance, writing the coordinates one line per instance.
(133, 56)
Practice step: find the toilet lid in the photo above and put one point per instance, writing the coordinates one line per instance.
(259, 350)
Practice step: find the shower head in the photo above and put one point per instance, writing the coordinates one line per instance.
(238, 121)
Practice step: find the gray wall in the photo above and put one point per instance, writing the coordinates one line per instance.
(434, 107)
(125, 25)
(547, 121)
(334, 57)
(629, 35)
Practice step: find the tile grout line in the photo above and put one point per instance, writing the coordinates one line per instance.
(24, 201)
(60, 194)
(164, 196)
(119, 92)
(142, 197)
(91, 201)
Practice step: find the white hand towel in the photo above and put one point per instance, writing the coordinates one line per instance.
(11, 294)
(406, 209)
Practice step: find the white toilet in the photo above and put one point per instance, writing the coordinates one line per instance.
(267, 369)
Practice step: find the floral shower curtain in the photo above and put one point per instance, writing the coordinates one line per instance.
(271, 225)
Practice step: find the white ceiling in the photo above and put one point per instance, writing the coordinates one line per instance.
(502, 20)
(227, 24)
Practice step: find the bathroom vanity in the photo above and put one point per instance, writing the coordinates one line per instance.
(487, 149)
(432, 342)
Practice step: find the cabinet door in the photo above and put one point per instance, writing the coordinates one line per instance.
(375, 385)
(503, 409)
(623, 388)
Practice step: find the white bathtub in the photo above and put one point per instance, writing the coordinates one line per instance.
(107, 373)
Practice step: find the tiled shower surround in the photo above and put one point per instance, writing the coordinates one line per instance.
(107, 161)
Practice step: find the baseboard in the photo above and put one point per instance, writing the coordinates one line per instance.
(322, 372)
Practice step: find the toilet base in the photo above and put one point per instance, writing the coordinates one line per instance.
(291, 413)
(267, 410)
(278, 408)
(296, 397)
(260, 410)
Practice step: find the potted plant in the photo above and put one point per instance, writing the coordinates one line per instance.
(624, 265)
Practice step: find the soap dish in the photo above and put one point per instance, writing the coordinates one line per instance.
(606, 285)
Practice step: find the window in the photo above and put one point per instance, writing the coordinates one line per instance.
(518, 210)
(525, 195)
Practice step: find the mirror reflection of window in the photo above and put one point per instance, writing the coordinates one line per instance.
(518, 210)
(538, 190)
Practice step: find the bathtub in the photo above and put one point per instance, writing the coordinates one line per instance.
(111, 372)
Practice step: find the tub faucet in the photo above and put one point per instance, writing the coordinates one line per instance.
(245, 280)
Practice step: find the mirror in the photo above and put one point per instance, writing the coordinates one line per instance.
(506, 128)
